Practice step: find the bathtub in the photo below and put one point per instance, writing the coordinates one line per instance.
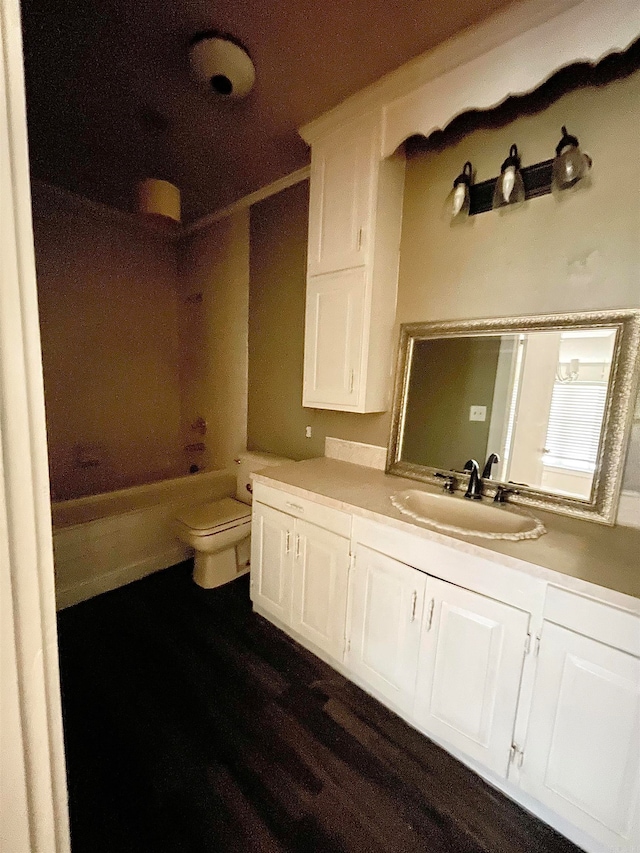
(105, 541)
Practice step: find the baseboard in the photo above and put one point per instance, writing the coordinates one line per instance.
(629, 509)
(104, 583)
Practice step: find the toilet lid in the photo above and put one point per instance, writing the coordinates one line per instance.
(204, 518)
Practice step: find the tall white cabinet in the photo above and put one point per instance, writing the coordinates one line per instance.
(355, 211)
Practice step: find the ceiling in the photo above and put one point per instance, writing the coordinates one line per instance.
(110, 99)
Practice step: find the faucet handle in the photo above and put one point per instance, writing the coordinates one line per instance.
(502, 493)
(449, 481)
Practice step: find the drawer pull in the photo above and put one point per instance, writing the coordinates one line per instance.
(287, 543)
(295, 506)
(297, 546)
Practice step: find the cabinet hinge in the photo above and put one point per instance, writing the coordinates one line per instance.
(516, 755)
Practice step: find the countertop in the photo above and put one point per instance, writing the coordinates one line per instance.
(575, 554)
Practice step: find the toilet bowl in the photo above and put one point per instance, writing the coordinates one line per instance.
(219, 531)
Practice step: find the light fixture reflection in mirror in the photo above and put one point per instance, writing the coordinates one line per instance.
(551, 396)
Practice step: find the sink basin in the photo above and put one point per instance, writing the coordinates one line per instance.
(450, 514)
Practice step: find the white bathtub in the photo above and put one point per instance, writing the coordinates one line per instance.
(105, 541)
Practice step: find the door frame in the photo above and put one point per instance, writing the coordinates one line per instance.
(33, 791)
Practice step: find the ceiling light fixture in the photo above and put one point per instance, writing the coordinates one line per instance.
(222, 64)
(159, 200)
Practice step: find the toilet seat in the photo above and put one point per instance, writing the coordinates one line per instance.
(214, 517)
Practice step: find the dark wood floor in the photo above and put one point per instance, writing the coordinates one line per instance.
(193, 725)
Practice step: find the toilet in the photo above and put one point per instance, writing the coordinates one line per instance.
(219, 531)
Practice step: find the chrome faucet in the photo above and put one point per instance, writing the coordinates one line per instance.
(474, 489)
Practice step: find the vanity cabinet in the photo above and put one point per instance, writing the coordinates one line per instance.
(582, 751)
(535, 686)
(299, 573)
(449, 658)
(355, 209)
(470, 667)
(387, 599)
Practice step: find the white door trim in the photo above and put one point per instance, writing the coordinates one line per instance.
(33, 797)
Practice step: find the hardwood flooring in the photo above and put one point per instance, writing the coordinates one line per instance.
(193, 725)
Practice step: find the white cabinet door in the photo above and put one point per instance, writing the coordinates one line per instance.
(387, 598)
(272, 561)
(334, 328)
(582, 753)
(343, 176)
(470, 667)
(320, 575)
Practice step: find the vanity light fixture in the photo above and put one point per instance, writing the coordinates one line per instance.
(509, 188)
(459, 200)
(570, 164)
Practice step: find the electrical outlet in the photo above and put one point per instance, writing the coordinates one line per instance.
(307, 432)
(478, 413)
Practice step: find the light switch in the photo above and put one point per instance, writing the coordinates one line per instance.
(478, 413)
(307, 432)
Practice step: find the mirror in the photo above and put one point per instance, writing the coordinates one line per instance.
(551, 397)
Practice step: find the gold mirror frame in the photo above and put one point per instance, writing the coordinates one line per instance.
(618, 416)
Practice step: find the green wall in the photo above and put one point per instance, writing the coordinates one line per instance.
(574, 253)
(278, 259)
(448, 376)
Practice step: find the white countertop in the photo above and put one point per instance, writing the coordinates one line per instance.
(573, 553)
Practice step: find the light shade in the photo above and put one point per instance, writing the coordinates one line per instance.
(159, 198)
(570, 164)
(459, 199)
(509, 189)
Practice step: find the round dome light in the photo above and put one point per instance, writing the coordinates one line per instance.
(222, 65)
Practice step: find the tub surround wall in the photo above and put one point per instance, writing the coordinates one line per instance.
(108, 318)
(213, 275)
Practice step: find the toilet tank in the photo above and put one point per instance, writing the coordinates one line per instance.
(248, 463)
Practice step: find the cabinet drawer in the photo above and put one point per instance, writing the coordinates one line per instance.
(603, 622)
(326, 517)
